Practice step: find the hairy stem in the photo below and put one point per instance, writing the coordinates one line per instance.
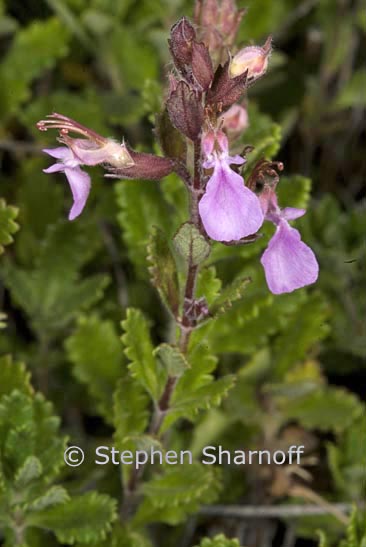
(185, 330)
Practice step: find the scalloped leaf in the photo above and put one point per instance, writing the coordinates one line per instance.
(139, 349)
(51, 304)
(294, 191)
(172, 360)
(123, 536)
(28, 472)
(178, 492)
(208, 284)
(191, 244)
(56, 495)
(28, 427)
(329, 409)
(8, 226)
(96, 353)
(141, 206)
(230, 294)
(86, 518)
(219, 541)
(188, 404)
(130, 407)
(13, 376)
(306, 328)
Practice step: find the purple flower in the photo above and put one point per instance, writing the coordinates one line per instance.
(229, 211)
(79, 180)
(288, 262)
(91, 150)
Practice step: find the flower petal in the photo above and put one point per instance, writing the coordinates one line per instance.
(60, 153)
(54, 168)
(80, 188)
(291, 213)
(289, 264)
(229, 211)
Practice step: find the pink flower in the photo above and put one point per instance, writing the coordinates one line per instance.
(91, 150)
(229, 211)
(78, 180)
(235, 119)
(288, 262)
(251, 59)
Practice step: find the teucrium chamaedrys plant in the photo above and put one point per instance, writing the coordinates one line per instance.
(198, 129)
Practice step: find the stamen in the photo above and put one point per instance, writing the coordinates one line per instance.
(65, 124)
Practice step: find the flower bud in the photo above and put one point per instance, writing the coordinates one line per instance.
(182, 35)
(230, 18)
(235, 120)
(218, 22)
(252, 59)
(185, 111)
(202, 68)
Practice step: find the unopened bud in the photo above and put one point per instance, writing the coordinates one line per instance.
(252, 59)
(202, 68)
(235, 119)
(206, 12)
(230, 18)
(182, 35)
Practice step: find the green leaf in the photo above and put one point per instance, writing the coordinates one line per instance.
(188, 404)
(230, 294)
(51, 304)
(219, 541)
(294, 191)
(29, 471)
(163, 270)
(135, 68)
(331, 409)
(347, 460)
(34, 49)
(65, 248)
(130, 407)
(96, 353)
(139, 349)
(13, 376)
(191, 244)
(178, 492)
(85, 518)
(172, 360)
(7, 225)
(208, 284)
(56, 495)
(141, 207)
(306, 328)
(28, 427)
(124, 536)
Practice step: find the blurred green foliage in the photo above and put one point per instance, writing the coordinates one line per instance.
(266, 371)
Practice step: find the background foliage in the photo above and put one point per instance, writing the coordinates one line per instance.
(84, 318)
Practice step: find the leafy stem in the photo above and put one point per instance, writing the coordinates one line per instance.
(185, 325)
